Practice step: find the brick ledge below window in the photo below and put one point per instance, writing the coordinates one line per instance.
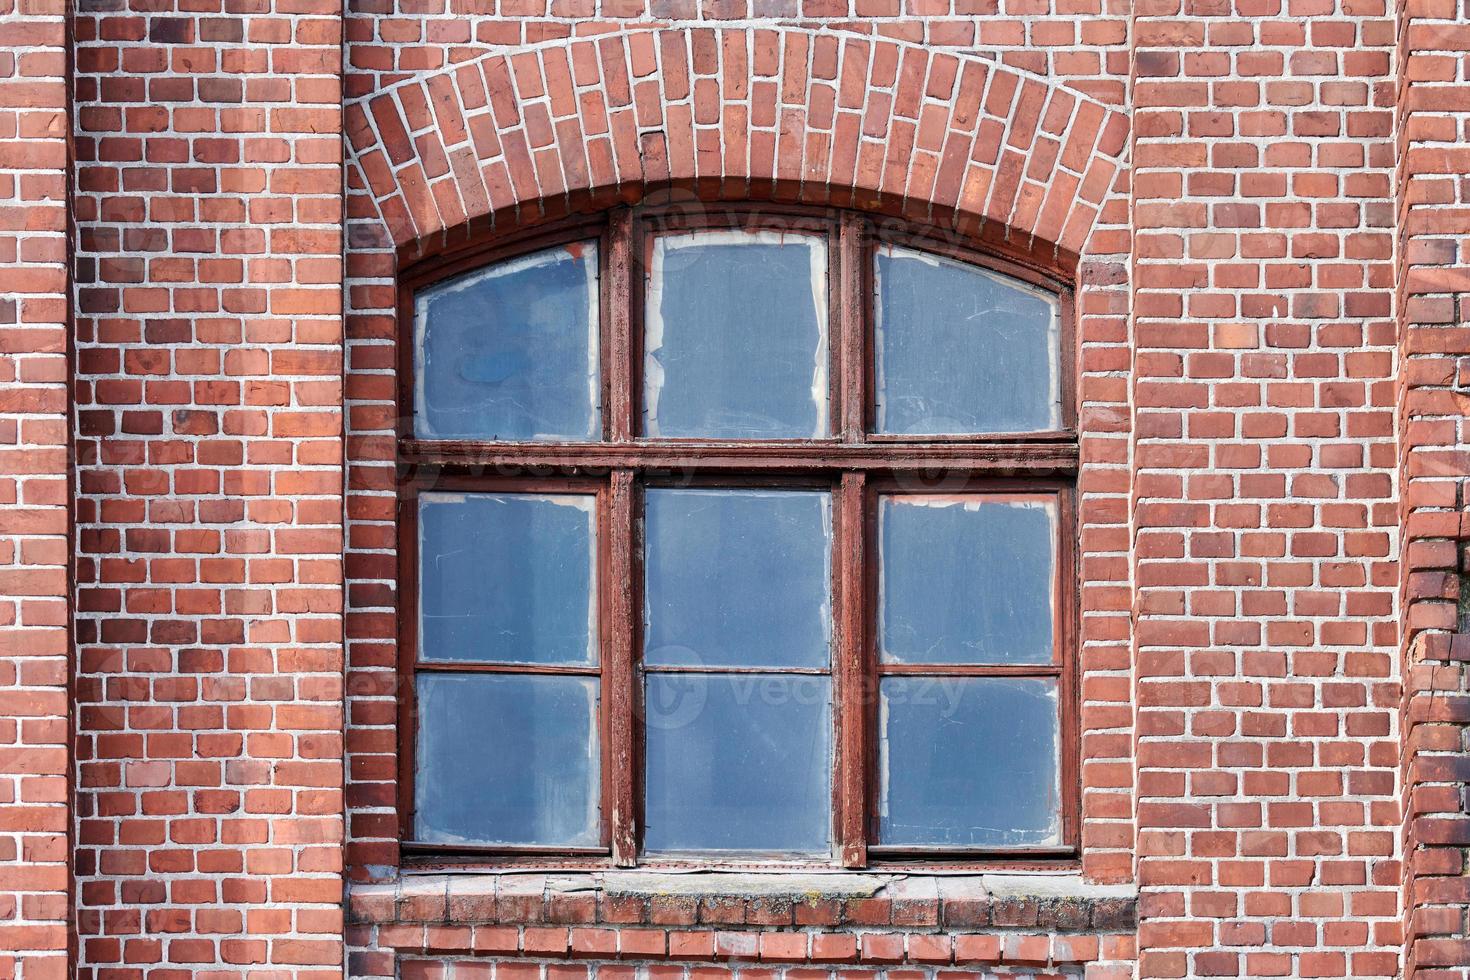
(886, 919)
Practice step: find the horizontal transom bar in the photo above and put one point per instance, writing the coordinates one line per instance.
(484, 667)
(1022, 457)
(969, 670)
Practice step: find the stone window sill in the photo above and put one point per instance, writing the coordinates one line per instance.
(540, 913)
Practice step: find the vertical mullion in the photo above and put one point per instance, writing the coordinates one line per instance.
(1065, 639)
(852, 394)
(851, 688)
(408, 622)
(619, 675)
(617, 353)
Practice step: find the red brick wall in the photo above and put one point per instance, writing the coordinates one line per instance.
(209, 489)
(1084, 42)
(1434, 347)
(35, 518)
(1272, 323)
(1266, 647)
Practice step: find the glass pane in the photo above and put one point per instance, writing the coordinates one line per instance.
(736, 336)
(510, 351)
(508, 577)
(737, 578)
(739, 762)
(507, 759)
(966, 579)
(968, 761)
(963, 350)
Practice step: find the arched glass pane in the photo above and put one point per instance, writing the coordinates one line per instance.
(735, 336)
(509, 352)
(962, 350)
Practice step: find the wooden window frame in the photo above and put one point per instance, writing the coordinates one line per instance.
(855, 464)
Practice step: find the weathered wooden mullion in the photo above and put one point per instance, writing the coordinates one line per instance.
(621, 280)
(851, 328)
(620, 681)
(852, 688)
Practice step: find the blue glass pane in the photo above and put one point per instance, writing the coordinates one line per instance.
(736, 336)
(966, 579)
(739, 762)
(969, 761)
(507, 577)
(507, 759)
(738, 578)
(962, 350)
(510, 351)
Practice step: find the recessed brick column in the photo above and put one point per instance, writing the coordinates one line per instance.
(35, 498)
(1264, 556)
(209, 493)
(1434, 348)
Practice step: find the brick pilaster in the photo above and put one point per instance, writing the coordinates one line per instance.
(35, 517)
(209, 493)
(1263, 491)
(1434, 348)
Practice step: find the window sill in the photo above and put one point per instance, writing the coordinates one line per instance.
(836, 917)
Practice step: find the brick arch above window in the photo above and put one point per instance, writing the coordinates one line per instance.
(1006, 158)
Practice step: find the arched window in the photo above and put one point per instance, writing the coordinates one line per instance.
(738, 535)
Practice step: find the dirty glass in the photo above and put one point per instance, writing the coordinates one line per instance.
(509, 352)
(961, 350)
(507, 759)
(735, 343)
(966, 579)
(968, 761)
(737, 578)
(738, 762)
(507, 577)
